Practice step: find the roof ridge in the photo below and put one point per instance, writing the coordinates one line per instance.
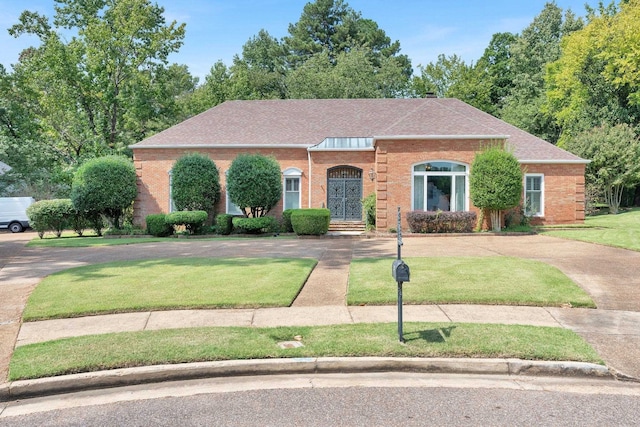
(420, 106)
(471, 119)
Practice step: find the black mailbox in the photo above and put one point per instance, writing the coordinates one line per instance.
(400, 271)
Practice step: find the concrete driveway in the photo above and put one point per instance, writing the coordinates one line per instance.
(611, 276)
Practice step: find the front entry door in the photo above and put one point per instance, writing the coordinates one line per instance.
(344, 193)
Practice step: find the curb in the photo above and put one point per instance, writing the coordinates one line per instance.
(323, 365)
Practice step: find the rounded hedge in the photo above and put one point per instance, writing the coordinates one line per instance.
(195, 183)
(311, 221)
(495, 182)
(254, 183)
(105, 186)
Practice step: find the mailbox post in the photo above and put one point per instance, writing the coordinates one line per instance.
(400, 272)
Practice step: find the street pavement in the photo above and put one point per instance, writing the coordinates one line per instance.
(610, 275)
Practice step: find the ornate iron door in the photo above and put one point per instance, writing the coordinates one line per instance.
(344, 193)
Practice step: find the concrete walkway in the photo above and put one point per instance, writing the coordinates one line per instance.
(611, 276)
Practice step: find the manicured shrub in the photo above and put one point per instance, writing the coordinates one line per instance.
(263, 224)
(254, 184)
(193, 221)
(369, 207)
(195, 183)
(104, 186)
(441, 222)
(224, 224)
(157, 225)
(286, 221)
(495, 182)
(310, 221)
(51, 215)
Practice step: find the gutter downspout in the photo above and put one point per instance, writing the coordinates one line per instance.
(309, 161)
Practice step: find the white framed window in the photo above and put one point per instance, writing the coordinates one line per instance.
(534, 194)
(291, 188)
(440, 185)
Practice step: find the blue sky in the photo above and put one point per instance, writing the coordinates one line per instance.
(217, 29)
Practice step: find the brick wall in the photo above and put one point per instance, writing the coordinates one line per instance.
(392, 162)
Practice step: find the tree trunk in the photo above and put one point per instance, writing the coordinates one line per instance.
(613, 197)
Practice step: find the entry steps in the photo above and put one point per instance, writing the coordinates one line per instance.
(335, 226)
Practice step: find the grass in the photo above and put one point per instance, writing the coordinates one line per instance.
(163, 284)
(71, 240)
(468, 280)
(621, 230)
(99, 352)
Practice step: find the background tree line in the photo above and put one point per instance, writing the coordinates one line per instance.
(562, 78)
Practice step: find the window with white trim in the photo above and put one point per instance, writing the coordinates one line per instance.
(440, 185)
(291, 187)
(534, 194)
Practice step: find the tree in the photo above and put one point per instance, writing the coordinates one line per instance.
(254, 184)
(494, 68)
(538, 45)
(195, 183)
(105, 186)
(614, 152)
(333, 27)
(81, 91)
(451, 77)
(495, 182)
(353, 75)
(585, 86)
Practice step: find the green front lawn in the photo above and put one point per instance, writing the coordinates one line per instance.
(621, 230)
(99, 352)
(73, 241)
(468, 280)
(163, 284)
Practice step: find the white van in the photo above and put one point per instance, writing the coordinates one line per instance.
(13, 213)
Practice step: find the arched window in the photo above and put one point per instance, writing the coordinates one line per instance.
(440, 185)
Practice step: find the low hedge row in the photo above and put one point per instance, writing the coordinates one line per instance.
(441, 222)
(224, 224)
(310, 221)
(157, 225)
(193, 221)
(263, 224)
(56, 215)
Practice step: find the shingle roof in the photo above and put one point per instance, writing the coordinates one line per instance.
(308, 122)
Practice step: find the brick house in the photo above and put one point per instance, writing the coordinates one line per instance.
(412, 153)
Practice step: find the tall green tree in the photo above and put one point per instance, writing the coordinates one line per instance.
(353, 75)
(333, 27)
(451, 77)
(537, 46)
(495, 71)
(587, 86)
(83, 87)
(614, 152)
